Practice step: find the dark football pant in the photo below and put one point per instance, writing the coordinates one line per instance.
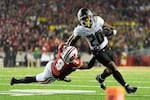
(107, 58)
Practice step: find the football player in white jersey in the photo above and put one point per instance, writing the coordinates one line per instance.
(95, 30)
(65, 63)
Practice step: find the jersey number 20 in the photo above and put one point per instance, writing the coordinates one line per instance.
(96, 38)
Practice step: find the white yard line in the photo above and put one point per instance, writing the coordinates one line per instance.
(28, 92)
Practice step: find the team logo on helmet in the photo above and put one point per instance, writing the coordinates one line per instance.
(69, 54)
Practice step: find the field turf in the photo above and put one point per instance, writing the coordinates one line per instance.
(82, 87)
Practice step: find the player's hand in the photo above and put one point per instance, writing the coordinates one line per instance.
(114, 32)
(66, 79)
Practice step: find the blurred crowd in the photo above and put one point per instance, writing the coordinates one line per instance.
(40, 25)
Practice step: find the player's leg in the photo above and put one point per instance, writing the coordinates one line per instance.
(46, 76)
(103, 59)
(110, 64)
(117, 75)
(23, 80)
(129, 89)
(101, 78)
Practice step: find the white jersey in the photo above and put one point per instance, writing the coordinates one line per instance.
(93, 34)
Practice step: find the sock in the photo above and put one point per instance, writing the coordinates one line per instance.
(105, 74)
(26, 80)
(126, 85)
(119, 78)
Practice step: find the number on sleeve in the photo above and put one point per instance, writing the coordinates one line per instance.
(59, 64)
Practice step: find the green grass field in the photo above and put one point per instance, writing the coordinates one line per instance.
(83, 85)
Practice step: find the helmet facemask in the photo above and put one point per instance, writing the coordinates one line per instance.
(86, 21)
(69, 54)
(85, 17)
(71, 58)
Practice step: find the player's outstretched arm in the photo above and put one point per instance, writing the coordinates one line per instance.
(90, 64)
(108, 26)
(72, 40)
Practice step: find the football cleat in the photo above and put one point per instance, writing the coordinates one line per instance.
(13, 81)
(101, 81)
(130, 89)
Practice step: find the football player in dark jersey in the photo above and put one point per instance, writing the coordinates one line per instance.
(95, 30)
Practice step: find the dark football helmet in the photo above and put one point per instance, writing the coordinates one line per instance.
(85, 17)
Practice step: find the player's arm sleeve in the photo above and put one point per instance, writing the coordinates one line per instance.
(90, 64)
(108, 30)
(61, 46)
(77, 64)
(108, 25)
(60, 49)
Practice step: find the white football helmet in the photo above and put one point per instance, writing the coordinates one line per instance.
(69, 54)
(85, 17)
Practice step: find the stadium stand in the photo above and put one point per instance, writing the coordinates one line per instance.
(27, 24)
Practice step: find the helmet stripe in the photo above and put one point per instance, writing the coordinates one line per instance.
(69, 51)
